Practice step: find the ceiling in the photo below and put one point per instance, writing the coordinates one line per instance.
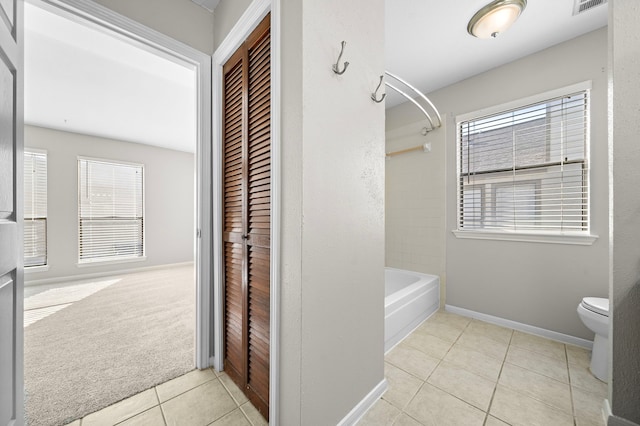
(81, 79)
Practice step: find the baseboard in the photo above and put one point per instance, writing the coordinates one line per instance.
(611, 420)
(102, 274)
(553, 335)
(363, 406)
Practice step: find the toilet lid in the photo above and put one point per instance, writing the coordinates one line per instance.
(598, 305)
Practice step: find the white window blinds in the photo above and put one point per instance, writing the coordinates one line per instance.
(35, 209)
(111, 222)
(526, 169)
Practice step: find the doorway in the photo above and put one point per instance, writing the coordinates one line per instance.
(199, 64)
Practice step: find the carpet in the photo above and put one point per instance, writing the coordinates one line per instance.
(127, 337)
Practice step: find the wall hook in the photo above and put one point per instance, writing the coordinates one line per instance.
(374, 96)
(336, 66)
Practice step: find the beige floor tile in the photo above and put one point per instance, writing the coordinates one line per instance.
(405, 420)
(492, 331)
(200, 406)
(234, 418)
(590, 421)
(402, 386)
(434, 407)
(492, 421)
(381, 414)
(152, 417)
(474, 362)
(518, 409)
(184, 383)
(457, 321)
(578, 355)
(463, 384)
(587, 406)
(233, 389)
(253, 415)
(551, 367)
(431, 345)
(412, 360)
(75, 423)
(538, 344)
(443, 330)
(542, 388)
(582, 378)
(123, 410)
(484, 345)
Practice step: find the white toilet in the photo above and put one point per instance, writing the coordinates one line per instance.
(594, 313)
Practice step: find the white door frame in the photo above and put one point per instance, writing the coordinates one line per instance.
(156, 42)
(254, 14)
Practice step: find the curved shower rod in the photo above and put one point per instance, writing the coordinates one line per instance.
(420, 94)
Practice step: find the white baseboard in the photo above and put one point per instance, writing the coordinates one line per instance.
(553, 335)
(606, 411)
(79, 277)
(363, 406)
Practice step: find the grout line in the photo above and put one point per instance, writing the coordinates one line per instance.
(188, 390)
(164, 419)
(245, 414)
(495, 388)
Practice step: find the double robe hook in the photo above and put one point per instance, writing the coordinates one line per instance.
(336, 66)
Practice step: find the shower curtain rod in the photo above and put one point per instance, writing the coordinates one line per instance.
(420, 94)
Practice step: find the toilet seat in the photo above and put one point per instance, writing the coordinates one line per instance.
(599, 305)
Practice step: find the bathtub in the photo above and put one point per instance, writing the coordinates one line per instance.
(410, 298)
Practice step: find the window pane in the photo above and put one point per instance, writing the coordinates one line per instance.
(111, 223)
(35, 209)
(526, 169)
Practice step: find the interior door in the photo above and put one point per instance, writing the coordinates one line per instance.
(247, 215)
(11, 271)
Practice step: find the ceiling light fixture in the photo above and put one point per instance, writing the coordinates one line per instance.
(495, 18)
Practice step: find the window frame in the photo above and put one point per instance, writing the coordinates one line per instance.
(81, 263)
(586, 237)
(45, 266)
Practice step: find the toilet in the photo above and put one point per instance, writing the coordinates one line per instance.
(594, 313)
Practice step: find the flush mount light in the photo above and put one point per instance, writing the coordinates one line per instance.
(495, 18)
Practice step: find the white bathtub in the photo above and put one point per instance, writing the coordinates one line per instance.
(410, 298)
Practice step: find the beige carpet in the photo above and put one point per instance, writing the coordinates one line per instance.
(122, 339)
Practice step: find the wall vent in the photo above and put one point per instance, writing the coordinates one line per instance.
(584, 5)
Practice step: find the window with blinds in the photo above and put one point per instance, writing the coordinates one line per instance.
(110, 211)
(526, 169)
(35, 209)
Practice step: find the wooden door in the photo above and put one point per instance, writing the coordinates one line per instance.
(11, 272)
(247, 215)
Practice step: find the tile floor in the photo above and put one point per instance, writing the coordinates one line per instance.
(450, 371)
(198, 398)
(456, 371)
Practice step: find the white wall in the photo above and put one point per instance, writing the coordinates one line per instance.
(624, 62)
(534, 283)
(169, 200)
(225, 16)
(182, 20)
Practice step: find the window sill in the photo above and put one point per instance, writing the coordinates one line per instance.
(571, 239)
(36, 269)
(102, 262)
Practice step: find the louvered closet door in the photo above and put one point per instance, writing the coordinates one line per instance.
(247, 217)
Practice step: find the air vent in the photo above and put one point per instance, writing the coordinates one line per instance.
(584, 5)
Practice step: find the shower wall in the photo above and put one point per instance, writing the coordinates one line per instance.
(415, 197)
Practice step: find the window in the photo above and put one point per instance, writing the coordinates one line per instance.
(525, 170)
(110, 210)
(35, 209)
